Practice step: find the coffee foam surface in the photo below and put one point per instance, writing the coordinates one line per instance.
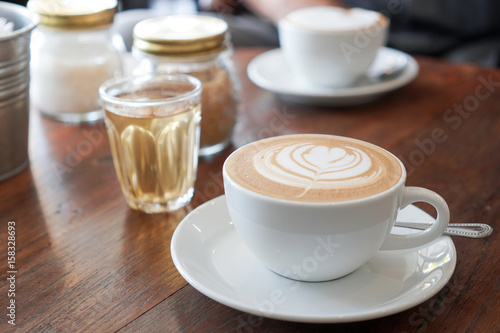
(326, 18)
(314, 168)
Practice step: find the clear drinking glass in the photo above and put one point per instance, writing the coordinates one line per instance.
(153, 124)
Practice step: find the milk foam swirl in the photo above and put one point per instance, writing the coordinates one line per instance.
(313, 168)
(329, 18)
(316, 167)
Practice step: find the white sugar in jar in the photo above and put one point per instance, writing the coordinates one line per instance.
(73, 51)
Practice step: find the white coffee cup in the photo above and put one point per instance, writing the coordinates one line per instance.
(321, 225)
(330, 46)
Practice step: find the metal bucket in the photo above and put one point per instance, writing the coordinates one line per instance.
(14, 89)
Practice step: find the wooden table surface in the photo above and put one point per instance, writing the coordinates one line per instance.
(85, 262)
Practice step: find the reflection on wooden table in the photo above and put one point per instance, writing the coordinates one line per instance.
(86, 262)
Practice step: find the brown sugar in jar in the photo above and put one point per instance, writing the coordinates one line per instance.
(201, 49)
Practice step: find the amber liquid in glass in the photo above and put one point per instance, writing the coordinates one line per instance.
(155, 152)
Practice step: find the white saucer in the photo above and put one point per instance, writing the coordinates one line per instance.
(208, 253)
(270, 71)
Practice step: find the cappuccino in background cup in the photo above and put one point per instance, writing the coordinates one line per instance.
(331, 46)
(317, 207)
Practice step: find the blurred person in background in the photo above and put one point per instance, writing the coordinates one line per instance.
(458, 30)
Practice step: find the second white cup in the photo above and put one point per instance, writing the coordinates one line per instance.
(329, 46)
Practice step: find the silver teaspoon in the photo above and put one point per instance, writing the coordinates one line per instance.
(470, 230)
(396, 65)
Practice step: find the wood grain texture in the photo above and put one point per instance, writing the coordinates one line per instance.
(87, 263)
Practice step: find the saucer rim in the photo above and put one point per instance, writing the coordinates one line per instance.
(377, 312)
(375, 89)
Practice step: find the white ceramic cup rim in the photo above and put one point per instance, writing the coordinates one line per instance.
(288, 24)
(401, 182)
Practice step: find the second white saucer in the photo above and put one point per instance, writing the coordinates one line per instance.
(209, 254)
(270, 71)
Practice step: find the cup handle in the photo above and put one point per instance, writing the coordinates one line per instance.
(419, 194)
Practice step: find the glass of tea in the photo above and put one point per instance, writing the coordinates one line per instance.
(153, 124)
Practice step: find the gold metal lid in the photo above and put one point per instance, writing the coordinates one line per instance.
(182, 35)
(74, 14)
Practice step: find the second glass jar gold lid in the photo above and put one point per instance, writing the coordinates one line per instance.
(182, 35)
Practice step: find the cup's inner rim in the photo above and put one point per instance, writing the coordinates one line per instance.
(24, 20)
(111, 88)
(289, 23)
(400, 182)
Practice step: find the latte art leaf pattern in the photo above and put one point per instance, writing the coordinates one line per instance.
(311, 166)
(316, 168)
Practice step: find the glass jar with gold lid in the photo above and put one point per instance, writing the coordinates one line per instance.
(73, 51)
(200, 46)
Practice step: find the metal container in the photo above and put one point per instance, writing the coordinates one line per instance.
(14, 89)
